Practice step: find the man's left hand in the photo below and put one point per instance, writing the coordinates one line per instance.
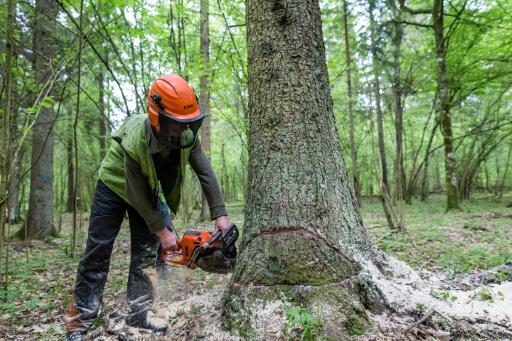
(221, 223)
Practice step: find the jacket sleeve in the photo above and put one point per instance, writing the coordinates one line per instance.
(211, 189)
(139, 195)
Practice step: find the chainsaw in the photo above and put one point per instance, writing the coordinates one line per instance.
(198, 248)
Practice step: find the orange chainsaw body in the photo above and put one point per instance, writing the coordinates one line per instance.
(192, 239)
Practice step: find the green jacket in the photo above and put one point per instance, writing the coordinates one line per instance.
(133, 154)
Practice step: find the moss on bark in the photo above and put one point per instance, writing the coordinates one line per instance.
(337, 307)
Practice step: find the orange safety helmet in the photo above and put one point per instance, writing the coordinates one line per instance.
(172, 96)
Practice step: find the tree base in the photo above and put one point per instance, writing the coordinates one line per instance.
(376, 303)
(259, 312)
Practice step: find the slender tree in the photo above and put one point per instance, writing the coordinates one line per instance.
(384, 182)
(204, 96)
(351, 125)
(102, 120)
(398, 105)
(75, 128)
(444, 101)
(40, 213)
(6, 119)
(444, 115)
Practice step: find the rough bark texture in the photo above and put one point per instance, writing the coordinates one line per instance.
(204, 94)
(303, 243)
(302, 230)
(40, 212)
(452, 193)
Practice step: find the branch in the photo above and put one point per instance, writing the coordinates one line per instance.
(412, 23)
(406, 8)
(96, 52)
(232, 39)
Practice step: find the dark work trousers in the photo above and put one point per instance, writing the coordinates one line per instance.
(107, 213)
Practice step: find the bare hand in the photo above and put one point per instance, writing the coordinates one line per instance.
(221, 223)
(168, 240)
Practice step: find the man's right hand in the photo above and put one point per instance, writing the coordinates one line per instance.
(168, 240)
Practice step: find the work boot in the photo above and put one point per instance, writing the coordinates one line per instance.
(145, 321)
(77, 335)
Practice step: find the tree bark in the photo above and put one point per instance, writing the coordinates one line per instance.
(40, 212)
(303, 236)
(70, 168)
(425, 184)
(438, 187)
(75, 128)
(397, 97)
(505, 173)
(351, 126)
(204, 93)
(14, 199)
(102, 124)
(452, 192)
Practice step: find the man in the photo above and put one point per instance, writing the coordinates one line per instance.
(143, 169)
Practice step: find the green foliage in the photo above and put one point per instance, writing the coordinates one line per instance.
(485, 295)
(194, 310)
(355, 326)
(299, 317)
(443, 295)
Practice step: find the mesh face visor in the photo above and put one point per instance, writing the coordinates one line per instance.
(173, 132)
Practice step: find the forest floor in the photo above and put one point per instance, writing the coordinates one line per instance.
(41, 274)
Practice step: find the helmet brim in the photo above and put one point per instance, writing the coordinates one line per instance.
(192, 117)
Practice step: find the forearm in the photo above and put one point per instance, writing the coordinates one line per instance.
(211, 189)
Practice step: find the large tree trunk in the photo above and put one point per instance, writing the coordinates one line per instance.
(353, 153)
(303, 234)
(445, 120)
(303, 242)
(204, 94)
(40, 212)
